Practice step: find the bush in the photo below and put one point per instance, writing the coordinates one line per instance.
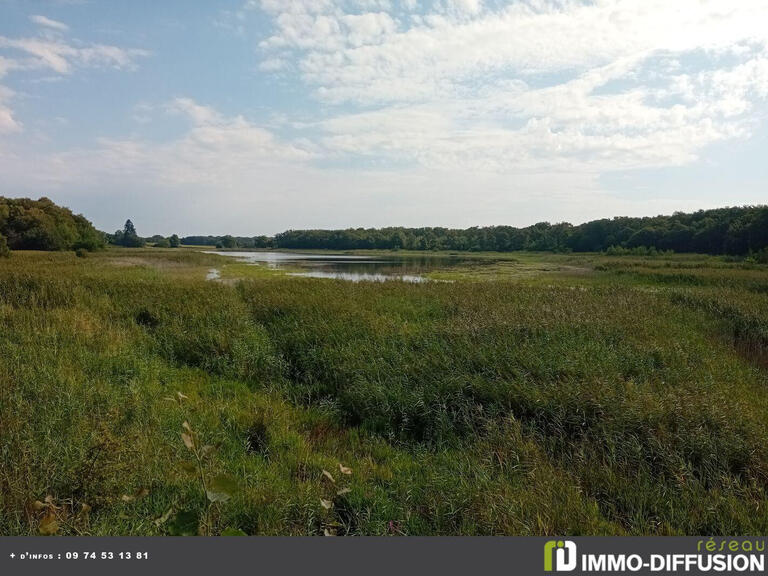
(42, 225)
(5, 252)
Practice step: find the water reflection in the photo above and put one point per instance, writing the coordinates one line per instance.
(360, 276)
(348, 267)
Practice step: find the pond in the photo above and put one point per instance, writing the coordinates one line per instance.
(349, 267)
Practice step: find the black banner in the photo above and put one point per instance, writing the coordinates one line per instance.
(380, 556)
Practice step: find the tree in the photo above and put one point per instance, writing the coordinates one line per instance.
(644, 237)
(129, 229)
(128, 237)
(262, 242)
(174, 241)
(89, 238)
(42, 225)
(229, 242)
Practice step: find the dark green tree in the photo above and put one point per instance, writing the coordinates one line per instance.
(229, 242)
(128, 237)
(129, 229)
(42, 225)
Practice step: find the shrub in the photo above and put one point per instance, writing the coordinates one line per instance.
(42, 225)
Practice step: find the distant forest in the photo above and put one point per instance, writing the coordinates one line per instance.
(736, 231)
(42, 225)
(230, 241)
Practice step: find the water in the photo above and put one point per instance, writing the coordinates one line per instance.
(347, 267)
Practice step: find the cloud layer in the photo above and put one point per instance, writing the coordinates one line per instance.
(537, 85)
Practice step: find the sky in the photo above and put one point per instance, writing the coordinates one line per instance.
(251, 117)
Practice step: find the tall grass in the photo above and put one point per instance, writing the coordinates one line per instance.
(610, 402)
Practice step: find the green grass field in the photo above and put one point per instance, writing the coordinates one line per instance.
(531, 394)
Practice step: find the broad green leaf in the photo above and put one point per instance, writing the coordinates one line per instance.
(221, 488)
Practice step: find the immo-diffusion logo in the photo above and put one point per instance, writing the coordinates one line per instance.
(731, 556)
(559, 555)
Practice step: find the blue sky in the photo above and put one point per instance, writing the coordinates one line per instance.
(255, 116)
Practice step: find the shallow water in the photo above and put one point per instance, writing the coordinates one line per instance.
(348, 267)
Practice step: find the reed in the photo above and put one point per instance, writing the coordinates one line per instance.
(540, 394)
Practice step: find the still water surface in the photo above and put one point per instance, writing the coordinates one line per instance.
(348, 267)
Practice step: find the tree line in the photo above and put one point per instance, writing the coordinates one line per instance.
(229, 241)
(42, 225)
(736, 231)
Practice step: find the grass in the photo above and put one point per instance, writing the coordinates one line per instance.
(532, 394)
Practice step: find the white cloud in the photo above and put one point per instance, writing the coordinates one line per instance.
(6, 65)
(49, 23)
(226, 157)
(273, 64)
(542, 84)
(226, 174)
(518, 40)
(215, 149)
(50, 51)
(464, 7)
(8, 124)
(61, 56)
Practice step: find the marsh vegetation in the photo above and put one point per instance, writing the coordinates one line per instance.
(533, 394)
